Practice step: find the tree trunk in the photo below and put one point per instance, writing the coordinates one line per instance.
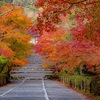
(81, 68)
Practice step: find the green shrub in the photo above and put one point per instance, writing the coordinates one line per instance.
(51, 77)
(79, 79)
(3, 79)
(95, 85)
(62, 74)
(76, 81)
(5, 70)
(3, 60)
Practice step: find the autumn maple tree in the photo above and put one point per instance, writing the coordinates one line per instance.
(14, 37)
(80, 19)
(52, 9)
(46, 45)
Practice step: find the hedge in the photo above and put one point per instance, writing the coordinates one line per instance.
(88, 84)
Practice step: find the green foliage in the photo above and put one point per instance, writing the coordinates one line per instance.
(76, 77)
(62, 73)
(5, 1)
(1, 3)
(80, 79)
(72, 16)
(5, 70)
(3, 60)
(3, 79)
(76, 81)
(72, 24)
(68, 37)
(95, 85)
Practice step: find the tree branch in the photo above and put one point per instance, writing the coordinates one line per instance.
(7, 12)
(71, 5)
(67, 8)
(82, 1)
(10, 10)
(77, 2)
(64, 9)
(92, 2)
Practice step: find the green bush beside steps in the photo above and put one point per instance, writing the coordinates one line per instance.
(4, 79)
(84, 83)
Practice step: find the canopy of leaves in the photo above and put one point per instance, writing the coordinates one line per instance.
(14, 25)
(80, 46)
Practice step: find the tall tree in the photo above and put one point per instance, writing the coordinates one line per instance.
(83, 29)
(14, 25)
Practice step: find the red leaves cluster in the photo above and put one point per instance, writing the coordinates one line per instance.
(83, 46)
(5, 53)
(49, 16)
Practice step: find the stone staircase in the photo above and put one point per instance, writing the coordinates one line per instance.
(33, 70)
(35, 59)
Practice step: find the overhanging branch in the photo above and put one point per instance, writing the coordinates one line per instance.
(71, 5)
(7, 11)
(83, 1)
(77, 2)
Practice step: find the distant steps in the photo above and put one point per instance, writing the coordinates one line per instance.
(34, 69)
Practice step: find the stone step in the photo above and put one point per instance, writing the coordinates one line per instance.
(40, 69)
(34, 69)
(49, 72)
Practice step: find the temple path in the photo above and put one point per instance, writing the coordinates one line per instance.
(32, 86)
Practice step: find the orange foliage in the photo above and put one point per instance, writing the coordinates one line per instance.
(19, 62)
(14, 25)
(5, 50)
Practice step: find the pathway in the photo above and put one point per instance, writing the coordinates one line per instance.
(34, 87)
